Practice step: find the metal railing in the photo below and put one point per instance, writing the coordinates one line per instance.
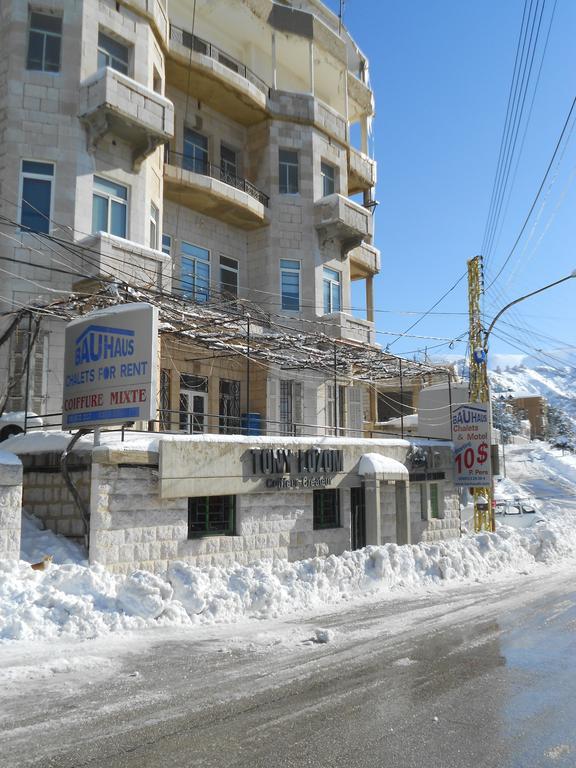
(196, 165)
(197, 44)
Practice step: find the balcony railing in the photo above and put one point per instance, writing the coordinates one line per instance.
(197, 44)
(196, 165)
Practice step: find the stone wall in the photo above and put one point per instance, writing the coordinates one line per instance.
(46, 495)
(10, 506)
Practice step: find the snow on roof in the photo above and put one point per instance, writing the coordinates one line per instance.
(376, 464)
(410, 420)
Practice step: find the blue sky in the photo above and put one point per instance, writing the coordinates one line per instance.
(441, 74)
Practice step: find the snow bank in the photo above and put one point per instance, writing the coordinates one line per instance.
(73, 600)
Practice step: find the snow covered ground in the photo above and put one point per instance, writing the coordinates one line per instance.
(71, 601)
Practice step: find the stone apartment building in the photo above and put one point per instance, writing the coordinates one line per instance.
(216, 150)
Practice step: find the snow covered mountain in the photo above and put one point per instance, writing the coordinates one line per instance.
(557, 384)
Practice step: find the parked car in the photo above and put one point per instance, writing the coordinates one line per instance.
(12, 423)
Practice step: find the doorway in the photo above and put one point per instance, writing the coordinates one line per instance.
(358, 517)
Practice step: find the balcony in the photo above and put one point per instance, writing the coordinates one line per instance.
(209, 189)
(360, 99)
(154, 11)
(220, 81)
(364, 261)
(361, 172)
(114, 258)
(111, 102)
(305, 108)
(338, 218)
(340, 325)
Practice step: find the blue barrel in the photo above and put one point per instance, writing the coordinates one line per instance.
(251, 424)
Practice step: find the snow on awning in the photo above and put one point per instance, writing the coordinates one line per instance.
(382, 467)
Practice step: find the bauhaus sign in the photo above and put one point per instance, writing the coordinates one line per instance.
(110, 367)
(471, 437)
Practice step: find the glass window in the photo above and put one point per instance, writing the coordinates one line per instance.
(332, 290)
(44, 42)
(195, 272)
(36, 200)
(211, 516)
(328, 179)
(167, 244)
(113, 54)
(229, 277)
(290, 284)
(228, 161)
(195, 152)
(109, 207)
(326, 504)
(154, 225)
(434, 501)
(423, 502)
(288, 172)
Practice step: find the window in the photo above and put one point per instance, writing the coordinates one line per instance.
(228, 277)
(211, 516)
(336, 408)
(44, 42)
(332, 291)
(423, 502)
(112, 54)
(36, 195)
(195, 152)
(193, 403)
(109, 207)
(393, 404)
(195, 272)
(326, 505)
(154, 219)
(229, 407)
(228, 162)
(328, 173)
(434, 501)
(167, 244)
(288, 172)
(291, 416)
(164, 414)
(290, 284)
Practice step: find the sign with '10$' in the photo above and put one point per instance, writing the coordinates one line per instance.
(471, 436)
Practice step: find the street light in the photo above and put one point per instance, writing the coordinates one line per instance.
(481, 358)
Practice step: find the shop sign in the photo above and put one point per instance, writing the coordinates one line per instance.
(471, 437)
(308, 468)
(110, 367)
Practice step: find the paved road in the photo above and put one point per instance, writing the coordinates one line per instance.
(481, 676)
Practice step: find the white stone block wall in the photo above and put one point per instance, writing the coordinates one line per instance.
(10, 506)
(132, 527)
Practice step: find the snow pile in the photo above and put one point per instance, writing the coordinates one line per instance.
(74, 600)
(37, 542)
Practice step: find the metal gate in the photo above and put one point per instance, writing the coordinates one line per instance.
(358, 517)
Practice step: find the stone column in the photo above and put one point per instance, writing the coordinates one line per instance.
(403, 532)
(10, 506)
(373, 511)
(369, 298)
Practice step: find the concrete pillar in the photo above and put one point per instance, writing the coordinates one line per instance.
(274, 73)
(364, 134)
(10, 506)
(370, 298)
(373, 512)
(403, 531)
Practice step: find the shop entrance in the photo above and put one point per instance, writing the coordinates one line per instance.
(358, 517)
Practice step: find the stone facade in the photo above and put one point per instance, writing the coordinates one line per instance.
(10, 506)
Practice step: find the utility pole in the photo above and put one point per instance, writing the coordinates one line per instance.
(479, 387)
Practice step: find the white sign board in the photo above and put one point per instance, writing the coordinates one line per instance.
(471, 436)
(110, 367)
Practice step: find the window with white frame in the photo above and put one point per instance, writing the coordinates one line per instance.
(228, 162)
(288, 172)
(195, 272)
(44, 42)
(228, 277)
(154, 226)
(431, 501)
(109, 207)
(113, 54)
(195, 156)
(291, 411)
(36, 195)
(328, 174)
(332, 290)
(290, 284)
(167, 245)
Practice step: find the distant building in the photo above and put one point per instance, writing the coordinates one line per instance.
(535, 409)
